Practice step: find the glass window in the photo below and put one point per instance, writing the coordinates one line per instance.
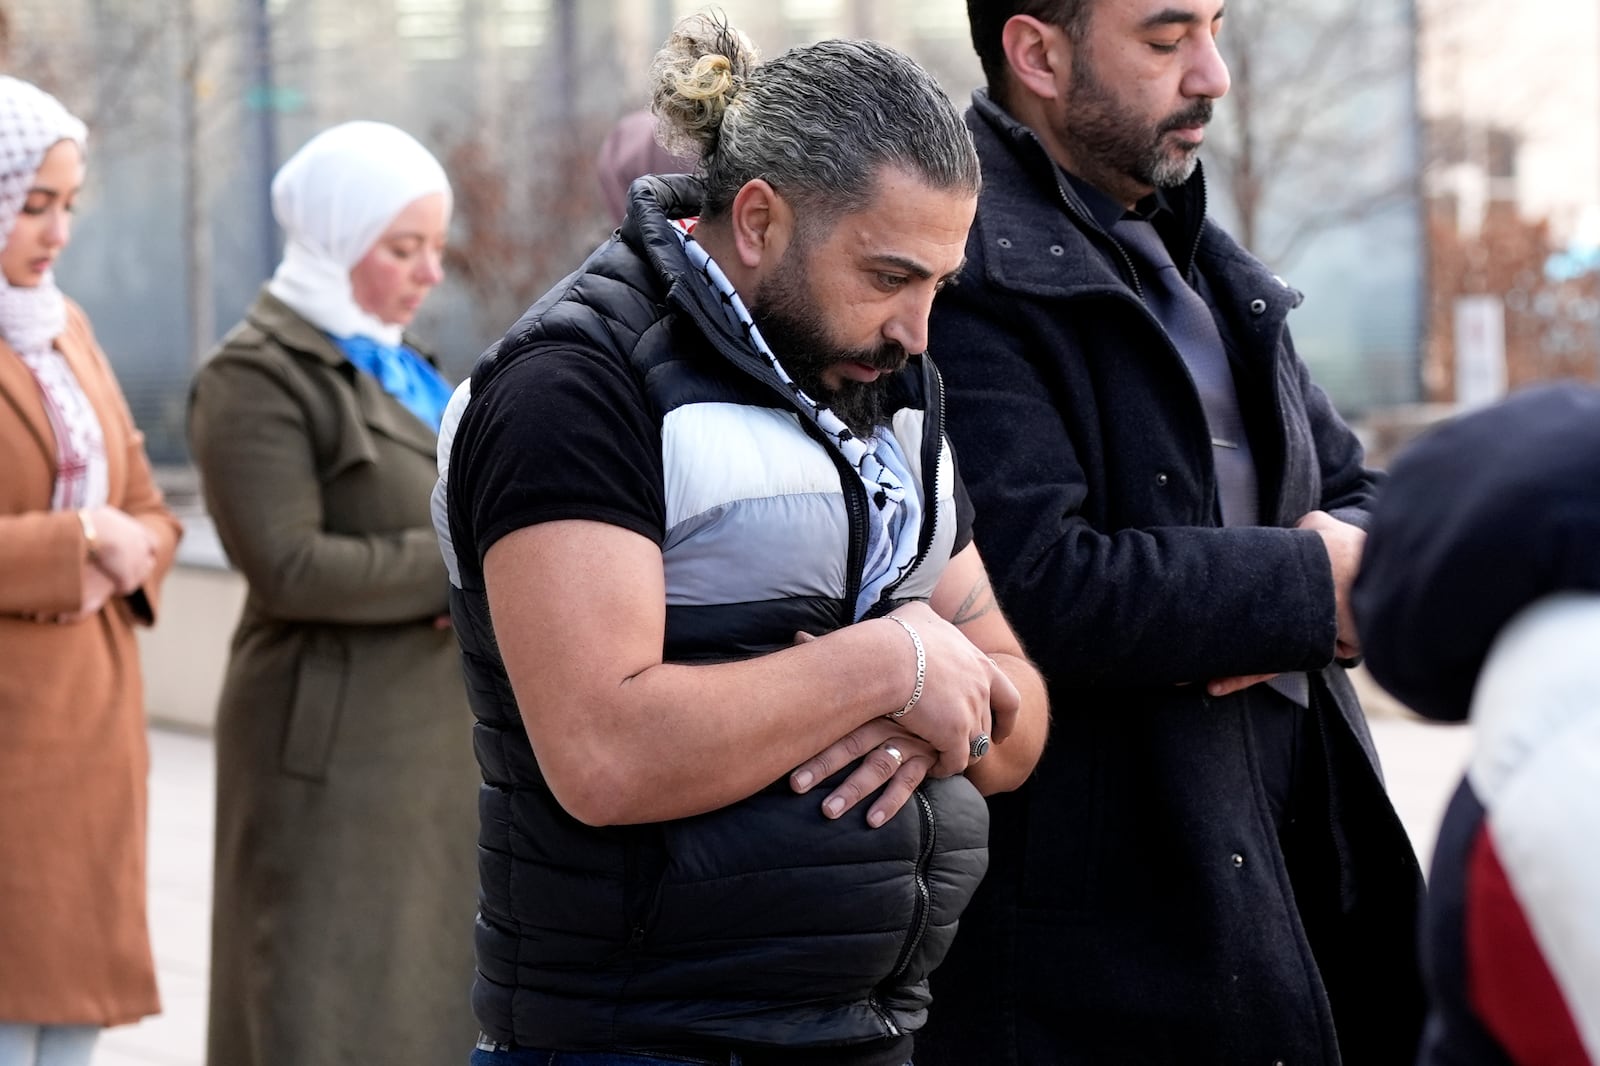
(522, 23)
(430, 29)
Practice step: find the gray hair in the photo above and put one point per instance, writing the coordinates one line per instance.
(817, 122)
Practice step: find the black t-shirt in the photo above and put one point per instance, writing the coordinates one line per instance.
(562, 434)
(566, 433)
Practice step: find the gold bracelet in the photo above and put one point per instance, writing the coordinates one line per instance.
(89, 536)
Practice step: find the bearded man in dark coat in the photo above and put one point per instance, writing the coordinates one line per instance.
(1205, 867)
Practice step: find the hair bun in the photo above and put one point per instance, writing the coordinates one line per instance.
(694, 79)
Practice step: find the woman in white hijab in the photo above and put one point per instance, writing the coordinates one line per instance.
(84, 543)
(346, 803)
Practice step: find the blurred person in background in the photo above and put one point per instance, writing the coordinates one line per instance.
(631, 150)
(1480, 596)
(84, 544)
(346, 810)
(1206, 867)
(711, 550)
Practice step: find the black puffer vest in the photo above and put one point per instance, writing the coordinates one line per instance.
(761, 923)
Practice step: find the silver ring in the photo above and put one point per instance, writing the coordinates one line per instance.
(980, 746)
(894, 753)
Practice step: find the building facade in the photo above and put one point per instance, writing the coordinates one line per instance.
(194, 103)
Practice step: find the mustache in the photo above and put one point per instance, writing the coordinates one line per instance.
(888, 357)
(1196, 114)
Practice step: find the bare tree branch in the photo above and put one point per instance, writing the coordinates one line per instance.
(1296, 147)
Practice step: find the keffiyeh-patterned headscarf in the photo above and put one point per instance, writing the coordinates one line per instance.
(31, 123)
(31, 318)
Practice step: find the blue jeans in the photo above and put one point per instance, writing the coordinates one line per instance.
(533, 1057)
(47, 1045)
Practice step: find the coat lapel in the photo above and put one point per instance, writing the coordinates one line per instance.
(378, 412)
(21, 393)
(91, 374)
(384, 414)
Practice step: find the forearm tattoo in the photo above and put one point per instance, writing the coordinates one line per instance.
(979, 602)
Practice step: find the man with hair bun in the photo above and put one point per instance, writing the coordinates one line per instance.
(739, 679)
(1205, 870)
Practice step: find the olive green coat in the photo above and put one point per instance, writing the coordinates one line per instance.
(346, 879)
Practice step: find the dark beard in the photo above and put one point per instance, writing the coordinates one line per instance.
(798, 336)
(1105, 137)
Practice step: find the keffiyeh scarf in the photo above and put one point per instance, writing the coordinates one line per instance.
(31, 318)
(894, 525)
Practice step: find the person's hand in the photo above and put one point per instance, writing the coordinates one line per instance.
(97, 592)
(892, 759)
(1345, 544)
(124, 549)
(896, 752)
(962, 689)
(1005, 703)
(889, 755)
(1227, 686)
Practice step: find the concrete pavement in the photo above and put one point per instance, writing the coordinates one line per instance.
(182, 794)
(1422, 763)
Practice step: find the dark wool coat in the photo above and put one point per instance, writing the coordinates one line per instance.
(1137, 907)
(346, 787)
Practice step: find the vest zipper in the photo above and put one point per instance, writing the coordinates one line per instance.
(919, 915)
(932, 454)
(883, 1015)
(855, 502)
(855, 493)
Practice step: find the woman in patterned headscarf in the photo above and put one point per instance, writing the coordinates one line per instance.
(84, 542)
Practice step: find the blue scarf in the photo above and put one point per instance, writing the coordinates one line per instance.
(403, 373)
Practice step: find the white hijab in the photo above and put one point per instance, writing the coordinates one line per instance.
(334, 198)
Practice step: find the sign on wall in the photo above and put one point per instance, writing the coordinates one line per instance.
(1480, 350)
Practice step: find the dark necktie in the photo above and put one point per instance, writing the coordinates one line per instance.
(1189, 324)
(1192, 328)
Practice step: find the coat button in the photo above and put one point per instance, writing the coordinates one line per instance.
(1258, 306)
(1238, 861)
(1162, 479)
(1056, 249)
(1004, 242)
